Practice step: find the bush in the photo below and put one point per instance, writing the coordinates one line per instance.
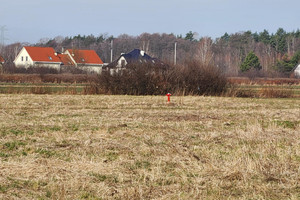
(136, 79)
(196, 78)
(147, 79)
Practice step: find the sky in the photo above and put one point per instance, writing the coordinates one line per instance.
(32, 20)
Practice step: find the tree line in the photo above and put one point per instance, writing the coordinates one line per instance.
(276, 52)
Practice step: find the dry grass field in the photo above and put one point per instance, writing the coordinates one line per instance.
(129, 147)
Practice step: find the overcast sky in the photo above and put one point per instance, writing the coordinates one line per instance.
(32, 20)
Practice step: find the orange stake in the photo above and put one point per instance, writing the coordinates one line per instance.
(168, 95)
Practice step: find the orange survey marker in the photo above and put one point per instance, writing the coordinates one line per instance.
(168, 95)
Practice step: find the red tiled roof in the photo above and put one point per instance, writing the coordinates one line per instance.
(2, 60)
(42, 54)
(65, 59)
(85, 56)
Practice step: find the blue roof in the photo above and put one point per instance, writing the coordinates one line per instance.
(135, 55)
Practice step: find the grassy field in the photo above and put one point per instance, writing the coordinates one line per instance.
(129, 147)
(242, 90)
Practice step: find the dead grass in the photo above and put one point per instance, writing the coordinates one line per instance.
(135, 147)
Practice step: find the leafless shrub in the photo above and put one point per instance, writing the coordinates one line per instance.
(199, 79)
(137, 79)
(193, 78)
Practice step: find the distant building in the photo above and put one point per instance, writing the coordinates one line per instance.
(37, 57)
(135, 56)
(86, 60)
(66, 60)
(2, 61)
(296, 71)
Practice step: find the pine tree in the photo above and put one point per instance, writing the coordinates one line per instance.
(287, 64)
(251, 61)
(189, 36)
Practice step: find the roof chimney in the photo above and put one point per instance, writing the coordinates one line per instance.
(142, 53)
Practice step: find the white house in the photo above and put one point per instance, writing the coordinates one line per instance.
(38, 56)
(135, 56)
(86, 60)
(297, 71)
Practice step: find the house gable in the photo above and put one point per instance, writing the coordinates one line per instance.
(33, 56)
(297, 71)
(43, 54)
(84, 57)
(23, 58)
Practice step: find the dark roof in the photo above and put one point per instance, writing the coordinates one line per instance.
(136, 56)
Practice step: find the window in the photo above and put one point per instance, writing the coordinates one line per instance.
(26, 58)
(22, 59)
(82, 59)
(50, 58)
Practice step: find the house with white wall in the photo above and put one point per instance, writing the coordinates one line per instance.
(38, 57)
(297, 71)
(135, 56)
(86, 60)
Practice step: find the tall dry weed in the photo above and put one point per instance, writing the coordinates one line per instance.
(270, 92)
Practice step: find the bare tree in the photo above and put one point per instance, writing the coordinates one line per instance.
(204, 52)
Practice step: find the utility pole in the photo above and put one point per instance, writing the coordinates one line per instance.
(111, 50)
(175, 53)
(2, 35)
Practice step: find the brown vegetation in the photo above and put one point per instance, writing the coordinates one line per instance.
(193, 78)
(263, 81)
(47, 78)
(137, 147)
(275, 51)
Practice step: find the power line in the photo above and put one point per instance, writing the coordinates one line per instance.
(2, 35)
